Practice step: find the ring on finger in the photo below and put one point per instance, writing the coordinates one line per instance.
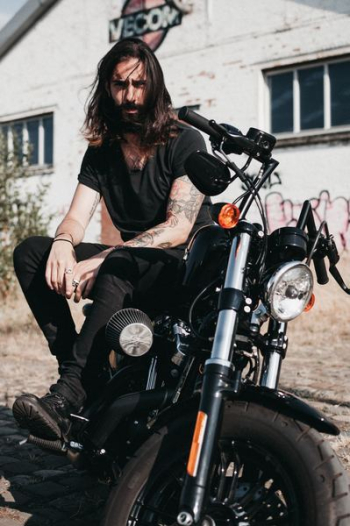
(75, 283)
(68, 270)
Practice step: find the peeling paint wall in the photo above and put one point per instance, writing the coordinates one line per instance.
(214, 59)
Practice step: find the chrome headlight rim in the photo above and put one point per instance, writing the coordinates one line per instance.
(273, 283)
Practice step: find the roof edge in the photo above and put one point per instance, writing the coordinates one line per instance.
(22, 21)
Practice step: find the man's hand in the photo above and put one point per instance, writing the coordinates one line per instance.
(84, 276)
(60, 266)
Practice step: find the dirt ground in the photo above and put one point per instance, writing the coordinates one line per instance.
(316, 368)
(317, 365)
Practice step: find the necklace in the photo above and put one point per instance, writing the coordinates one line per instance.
(135, 158)
(135, 162)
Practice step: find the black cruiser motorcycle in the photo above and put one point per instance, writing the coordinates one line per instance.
(192, 428)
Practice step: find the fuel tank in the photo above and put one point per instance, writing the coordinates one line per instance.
(206, 256)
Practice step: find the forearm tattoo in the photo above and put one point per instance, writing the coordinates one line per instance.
(147, 239)
(183, 207)
(94, 205)
(184, 202)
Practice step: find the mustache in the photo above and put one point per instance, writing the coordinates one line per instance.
(122, 122)
(130, 106)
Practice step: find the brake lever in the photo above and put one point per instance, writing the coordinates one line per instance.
(226, 131)
(332, 250)
(318, 245)
(336, 275)
(333, 257)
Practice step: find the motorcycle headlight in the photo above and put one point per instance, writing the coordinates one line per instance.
(288, 291)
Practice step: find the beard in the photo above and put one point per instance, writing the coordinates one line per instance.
(130, 122)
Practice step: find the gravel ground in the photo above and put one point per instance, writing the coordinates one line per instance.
(41, 489)
(36, 488)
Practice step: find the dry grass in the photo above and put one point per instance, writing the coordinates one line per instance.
(319, 349)
(27, 366)
(317, 366)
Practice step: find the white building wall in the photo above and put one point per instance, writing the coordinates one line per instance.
(222, 72)
(215, 59)
(52, 67)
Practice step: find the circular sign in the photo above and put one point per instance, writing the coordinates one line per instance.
(148, 20)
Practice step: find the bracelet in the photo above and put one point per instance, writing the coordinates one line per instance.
(64, 234)
(67, 240)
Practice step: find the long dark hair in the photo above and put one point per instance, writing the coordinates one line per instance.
(101, 122)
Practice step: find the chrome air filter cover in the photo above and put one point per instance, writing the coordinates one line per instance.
(130, 331)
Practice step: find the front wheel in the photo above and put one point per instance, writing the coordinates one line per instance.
(269, 470)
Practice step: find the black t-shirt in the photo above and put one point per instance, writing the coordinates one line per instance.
(137, 199)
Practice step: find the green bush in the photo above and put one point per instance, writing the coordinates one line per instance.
(21, 210)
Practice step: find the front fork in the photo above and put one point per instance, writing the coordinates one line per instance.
(276, 343)
(217, 374)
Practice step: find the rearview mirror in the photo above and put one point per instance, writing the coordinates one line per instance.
(209, 175)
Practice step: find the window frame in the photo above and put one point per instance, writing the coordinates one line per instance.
(10, 123)
(297, 131)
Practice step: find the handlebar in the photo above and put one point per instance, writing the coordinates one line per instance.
(320, 265)
(321, 271)
(333, 257)
(322, 246)
(199, 122)
(306, 219)
(255, 143)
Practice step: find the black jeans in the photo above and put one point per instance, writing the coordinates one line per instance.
(127, 277)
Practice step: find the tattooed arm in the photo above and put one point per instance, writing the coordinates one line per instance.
(182, 210)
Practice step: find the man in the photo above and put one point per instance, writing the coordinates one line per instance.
(135, 162)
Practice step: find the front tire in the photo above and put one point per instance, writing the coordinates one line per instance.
(279, 472)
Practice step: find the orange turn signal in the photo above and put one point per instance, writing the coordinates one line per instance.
(228, 216)
(197, 441)
(311, 303)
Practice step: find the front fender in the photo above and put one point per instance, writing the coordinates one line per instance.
(286, 404)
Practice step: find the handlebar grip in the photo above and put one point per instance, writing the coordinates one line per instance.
(321, 271)
(199, 122)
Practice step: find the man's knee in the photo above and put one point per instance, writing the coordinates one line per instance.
(35, 246)
(119, 263)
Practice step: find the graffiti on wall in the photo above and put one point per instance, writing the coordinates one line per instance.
(284, 212)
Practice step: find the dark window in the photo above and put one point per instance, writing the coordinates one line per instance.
(17, 137)
(4, 139)
(339, 75)
(311, 98)
(33, 140)
(48, 140)
(306, 103)
(282, 102)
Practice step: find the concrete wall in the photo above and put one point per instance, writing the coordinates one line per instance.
(215, 59)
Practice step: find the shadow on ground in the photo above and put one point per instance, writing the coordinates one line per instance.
(37, 488)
